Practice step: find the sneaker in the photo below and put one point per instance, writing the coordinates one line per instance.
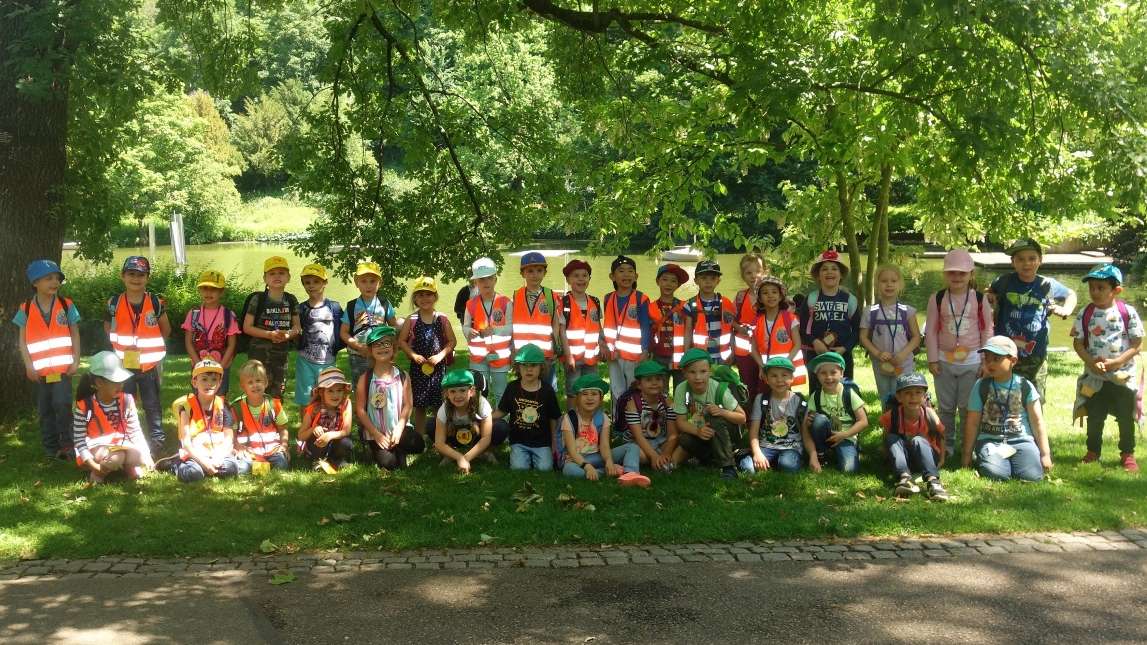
(1090, 457)
(728, 472)
(936, 491)
(1129, 463)
(906, 486)
(166, 464)
(633, 479)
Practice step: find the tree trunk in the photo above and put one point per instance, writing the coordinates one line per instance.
(33, 162)
(878, 238)
(844, 197)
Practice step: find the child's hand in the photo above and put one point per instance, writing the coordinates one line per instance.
(487, 332)
(659, 461)
(886, 357)
(418, 359)
(210, 469)
(1045, 460)
(760, 463)
(966, 461)
(712, 409)
(1061, 311)
(934, 368)
(705, 432)
(835, 438)
(819, 346)
(813, 463)
(72, 369)
(590, 472)
(571, 363)
(1100, 366)
(464, 465)
(614, 470)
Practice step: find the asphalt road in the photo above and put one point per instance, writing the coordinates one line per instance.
(1034, 597)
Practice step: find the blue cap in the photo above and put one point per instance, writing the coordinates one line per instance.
(40, 268)
(910, 380)
(532, 258)
(136, 263)
(1105, 272)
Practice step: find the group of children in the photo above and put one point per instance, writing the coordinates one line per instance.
(724, 355)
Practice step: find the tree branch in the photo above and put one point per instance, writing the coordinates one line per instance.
(598, 22)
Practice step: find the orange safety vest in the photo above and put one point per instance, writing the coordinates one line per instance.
(623, 331)
(700, 331)
(48, 338)
(583, 333)
(258, 434)
(315, 411)
(100, 430)
(663, 344)
(778, 341)
(746, 315)
(209, 436)
(137, 333)
(534, 327)
(496, 344)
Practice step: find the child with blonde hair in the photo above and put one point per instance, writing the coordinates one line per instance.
(890, 332)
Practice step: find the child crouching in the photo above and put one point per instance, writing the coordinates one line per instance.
(914, 438)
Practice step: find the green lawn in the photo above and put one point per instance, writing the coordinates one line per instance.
(270, 215)
(49, 512)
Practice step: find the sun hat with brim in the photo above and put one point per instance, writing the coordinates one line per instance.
(831, 255)
(675, 270)
(911, 380)
(1001, 346)
(206, 366)
(368, 268)
(275, 262)
(1105, 272)
(316, 270)
(587, 382)
(575, 265)
(780, 362)
(959, 260)
(827, 358)
(136, 263)
(530, 354)
(379, 334)
(211, 278)
(425, 285)
(483, 268)
(107, 365)
(330, 377)
(533, 258)
(40, 268)
(1024, 244)
(649, 368)
(693, 355)
(457, 378)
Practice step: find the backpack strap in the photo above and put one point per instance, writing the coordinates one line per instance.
(810, 302)
(1088, 312)
(722, 389)
(1126, 315)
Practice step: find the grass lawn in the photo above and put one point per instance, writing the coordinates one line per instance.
(49, 512)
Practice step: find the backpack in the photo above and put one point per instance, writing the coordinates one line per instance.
(1003, 305)
(892, 406)
(351, 306)
(727, 380)
(67, 304)
(850, 386)
(902, 320)
(810, 302)
(1089, 311)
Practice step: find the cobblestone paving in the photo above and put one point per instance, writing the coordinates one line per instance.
(350, 562)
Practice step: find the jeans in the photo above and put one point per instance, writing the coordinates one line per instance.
(1119, 402)
(495, 381)
(620, 376)
(190, 470)
(907, 455)
(145, 387)
(1034, 369)
(410, 443)
(1025, 464)
(274, 359)
(953, 389)
(278, 461)
(54, 402)
(523, 457)
(885, 383)
(787, 461)
(847, 452)
(626, 454)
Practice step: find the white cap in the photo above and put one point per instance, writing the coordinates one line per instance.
(483, 268)
(107, 365)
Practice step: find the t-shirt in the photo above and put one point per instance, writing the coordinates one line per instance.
(72, 314)
(367, 316)
(318, 324)
(954, 327)
(832, 406)
(460, 429)
(384, 396)
(652, 419)
(831, 314)
(529, 413)
(1024, 311)
(694, 408)
(209, 330)
(712, 311)
(782, 430)
(1005, 413)
(274, 315)
(914, 428)
(888, 331)
(1105, 337)
(587, 436)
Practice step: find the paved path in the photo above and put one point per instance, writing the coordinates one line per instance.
(1062, 588)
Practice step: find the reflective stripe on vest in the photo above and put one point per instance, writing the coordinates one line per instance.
(782, 343)
(623, 331)
(496, 345)
(746, 315)
(583, 332)
(145, 338)
(49, 343)
(534, 327)
(701, 328)
(257, 437)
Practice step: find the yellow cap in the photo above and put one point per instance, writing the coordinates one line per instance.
(425, 284)
(368, 268)
(316, 270)
(206, 366)
(211, 278)
(275, 262)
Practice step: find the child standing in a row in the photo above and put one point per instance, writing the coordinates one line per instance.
(320, 324)
(428, 340)
(211, 329)
(271, 319)
(829, 315)
(487, 327)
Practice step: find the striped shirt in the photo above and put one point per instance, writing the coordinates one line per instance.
(130, 421)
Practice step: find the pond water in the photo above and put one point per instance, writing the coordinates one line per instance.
(246, 261)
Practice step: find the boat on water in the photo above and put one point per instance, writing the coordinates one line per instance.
(682, 254)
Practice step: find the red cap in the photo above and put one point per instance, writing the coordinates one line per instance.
(682, 275)
(574, 265)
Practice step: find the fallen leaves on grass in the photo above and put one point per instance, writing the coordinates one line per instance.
(526, 496)
(485, 538)
(267, 546)
(342, 517)
(570, 501)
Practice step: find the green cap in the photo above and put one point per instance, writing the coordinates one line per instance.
(590, 382)
(693, 355)
(457, 378)
(530, 354)
(649, 368)
(827, 358)
(782, 362)
(378, 333)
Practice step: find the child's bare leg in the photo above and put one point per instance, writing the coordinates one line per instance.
(132, 463)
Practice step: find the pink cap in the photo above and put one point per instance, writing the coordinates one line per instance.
(959, 260)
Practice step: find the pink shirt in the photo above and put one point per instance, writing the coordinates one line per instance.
(942, 338)
(210, 338)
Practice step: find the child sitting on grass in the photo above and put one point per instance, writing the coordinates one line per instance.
(914, 438)
(646, 417)
(206, 435)
(585, 435)
(383, 402)
(106, 431)
(464, 426)
(777, 433)
(261, 439)
(528, 413)
(708, 416)
(324, 434)
(836, 415)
